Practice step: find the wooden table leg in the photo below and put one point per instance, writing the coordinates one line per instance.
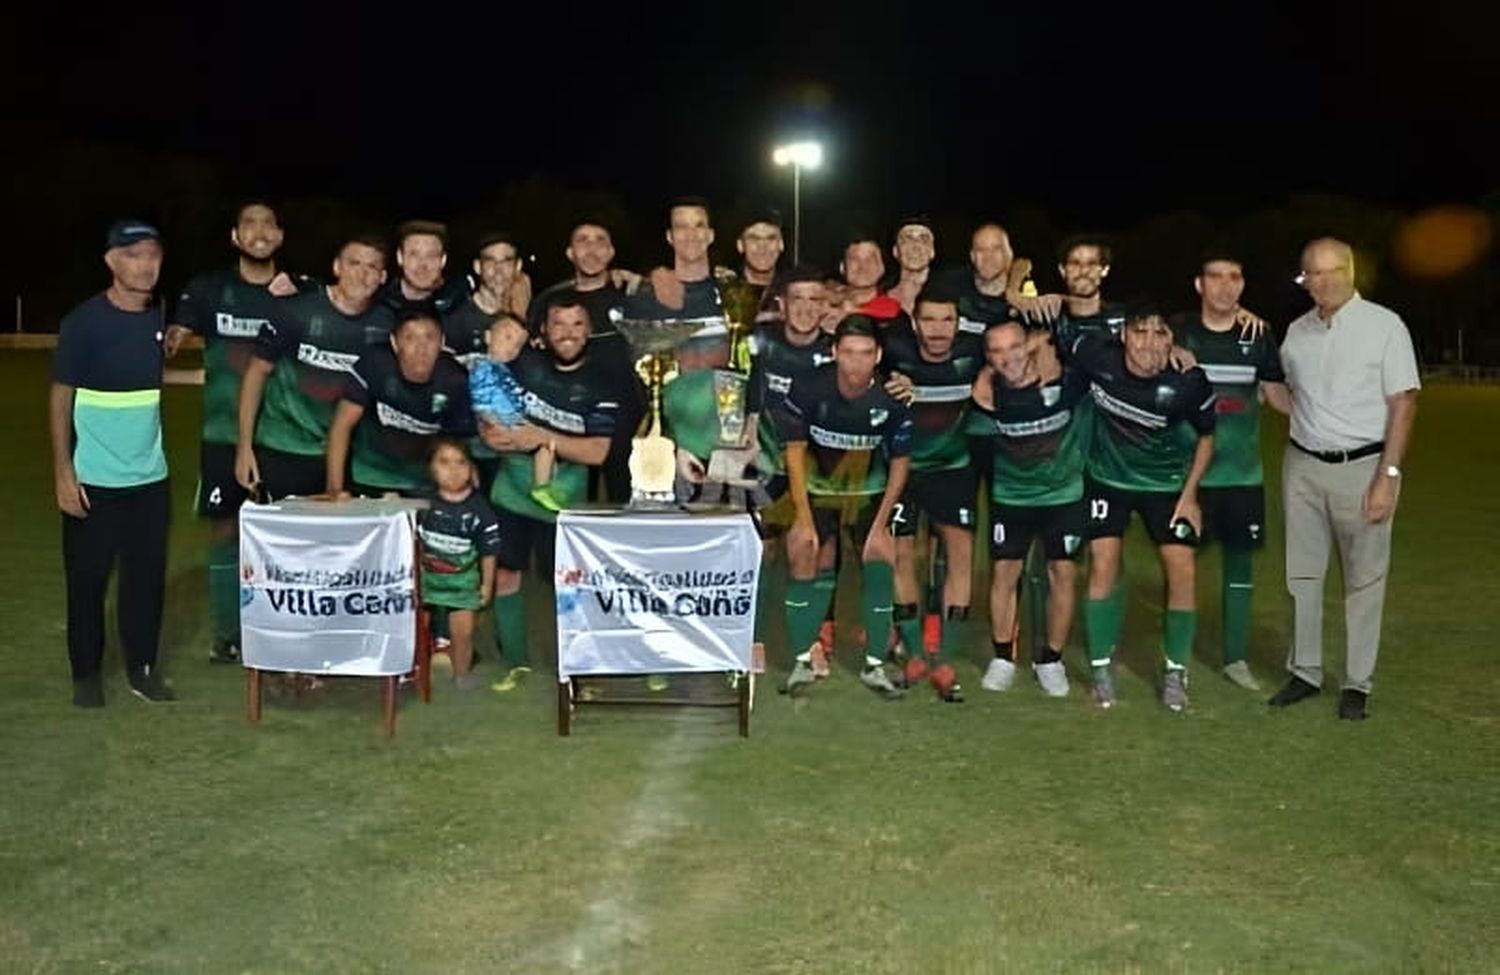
(745, 704)
(252, 694)
(390, 705)
(424, 654)
(564, 708)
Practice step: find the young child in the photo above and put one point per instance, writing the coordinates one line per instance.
(460, 539)
(498, 396)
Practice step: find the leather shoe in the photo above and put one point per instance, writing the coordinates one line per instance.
(1295, 690)
(1352, 704)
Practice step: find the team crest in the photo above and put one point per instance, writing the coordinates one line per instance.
(439, 400)
(1071, 543)
(878, 416)
(821, 359)
(1050, 395)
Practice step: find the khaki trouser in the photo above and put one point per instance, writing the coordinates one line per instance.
(1324, 503)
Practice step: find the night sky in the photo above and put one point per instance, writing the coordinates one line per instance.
(1098, 119)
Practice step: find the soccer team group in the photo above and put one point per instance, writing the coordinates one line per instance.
(877, 408)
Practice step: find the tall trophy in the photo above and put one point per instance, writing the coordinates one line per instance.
(653, 457)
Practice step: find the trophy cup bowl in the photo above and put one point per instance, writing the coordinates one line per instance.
(653, 457)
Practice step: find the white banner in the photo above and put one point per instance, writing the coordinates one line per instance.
(655, 593)
(328, 588)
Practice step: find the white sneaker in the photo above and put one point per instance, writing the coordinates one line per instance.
(1239, 673)
(999, 675)
(1053, 678)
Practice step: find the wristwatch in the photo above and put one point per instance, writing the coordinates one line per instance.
(1391, 470)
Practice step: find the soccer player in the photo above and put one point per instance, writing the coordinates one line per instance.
(298, 370)
(1028, 404)
(228, 308)
(863, 268)
(568, 410)
(848, 443)
(109, 470)
(914, 250)
(397, 400)
(760, 246)
(1083, 260)
(421, 257)
(1153, 439)
(496, 266)
(933, 369)
(1243, 369)
(603, 291)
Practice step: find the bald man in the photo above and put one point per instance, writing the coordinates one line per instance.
(1353, 378)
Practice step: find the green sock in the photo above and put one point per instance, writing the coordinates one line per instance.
(1104, 619)
(806, 602)
(224, 589)
(510, 628)
(955, 632)
(875, 610)
(908, 620)
(1239, 586)
(1180, 627)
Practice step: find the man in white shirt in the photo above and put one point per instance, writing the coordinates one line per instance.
(1353, 377)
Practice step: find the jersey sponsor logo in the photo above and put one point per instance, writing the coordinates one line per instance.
(326, 359)
(834, 440)
(554, 417)
(442, 542)
(970, 325)
(781, 385)
(1232, 375)
(1125, 411)
(940, 394)
(231, 327)
(1032, 428)
(389, 416)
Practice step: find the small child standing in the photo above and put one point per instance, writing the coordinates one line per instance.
(460, 539)
(499, 398)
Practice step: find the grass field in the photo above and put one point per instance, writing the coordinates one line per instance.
(1013, 833)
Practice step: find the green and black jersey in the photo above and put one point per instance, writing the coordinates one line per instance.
(313, 346)
(977, 311)
(450, 294)
(402, 417)
(1068, 329)
(604, 305)
(1040, 436)
(579, 402)
(850, 442)
(1236, 367)
(1146, 428)
(456, 535)
(777, 367)
(943, 393)
(464, 328)
(228, 312)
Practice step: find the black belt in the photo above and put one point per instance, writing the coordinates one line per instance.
(1342, 456)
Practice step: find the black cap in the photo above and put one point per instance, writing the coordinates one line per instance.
(123, 233)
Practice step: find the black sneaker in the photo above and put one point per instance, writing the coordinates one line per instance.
(88, 692)
(1352, 705)
(224, 652)
(1295, 690)
(150, 685)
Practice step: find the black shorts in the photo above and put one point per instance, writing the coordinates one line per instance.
(219, 494)
(1109, 511)
(526, 541)
(1060, 526)
(945, 497)
(1235, 517)
(857, 514)
(283, 475)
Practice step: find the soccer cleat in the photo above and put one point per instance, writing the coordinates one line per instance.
(544, 496)
(1295, 690)
(1104, 686)
(1352, 705)
(88, 692)
(945, 682)
(149, 685)
(999, 675)
(1053, 678)
(1238, 673)
(512, 679)
(801, 676)
(224, 652)
(874, 677)
(1174, 690)
(914, 672)
(932, 633)
(818, 660)
(440, 643)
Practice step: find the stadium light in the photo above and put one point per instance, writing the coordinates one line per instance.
(799, 156)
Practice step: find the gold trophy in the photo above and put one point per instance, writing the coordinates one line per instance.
(653, 457)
